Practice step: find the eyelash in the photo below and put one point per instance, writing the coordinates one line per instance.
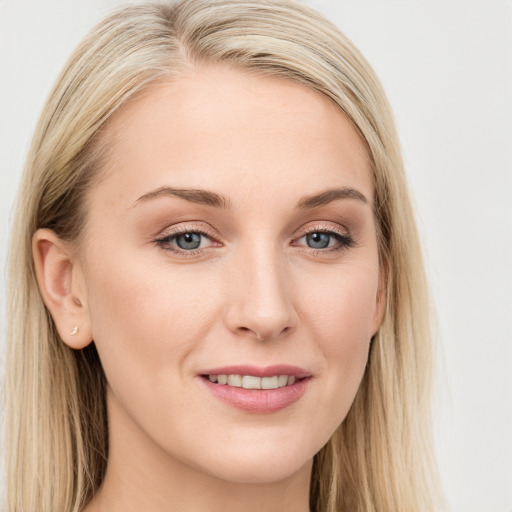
(345, 241)
(164, 241)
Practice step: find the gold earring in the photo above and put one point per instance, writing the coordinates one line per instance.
(73, 331)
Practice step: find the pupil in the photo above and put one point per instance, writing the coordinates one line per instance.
(318, 240)
(188, 241)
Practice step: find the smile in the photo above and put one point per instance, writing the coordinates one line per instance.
(257, 390)
(253, 382)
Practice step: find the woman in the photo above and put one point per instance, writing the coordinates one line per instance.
(217, 294)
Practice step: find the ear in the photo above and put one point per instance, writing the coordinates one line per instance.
(380, 300)
(62, 286)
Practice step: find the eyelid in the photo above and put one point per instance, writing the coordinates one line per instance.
(344, 238)
(322, 227)
(174, 231)
(188, 227)
(342, 235)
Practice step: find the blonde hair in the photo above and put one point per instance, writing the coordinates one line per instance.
(381, 456)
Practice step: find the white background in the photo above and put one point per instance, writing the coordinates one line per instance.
(447, 68)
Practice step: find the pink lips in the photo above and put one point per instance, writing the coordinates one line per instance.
(256, 400)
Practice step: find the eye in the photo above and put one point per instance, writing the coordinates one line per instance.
(188, 241)
(318, 240)
(185, 242)
(325, 240)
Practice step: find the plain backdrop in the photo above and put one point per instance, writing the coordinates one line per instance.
(446, 66)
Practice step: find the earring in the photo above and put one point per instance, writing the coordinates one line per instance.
(73, 331)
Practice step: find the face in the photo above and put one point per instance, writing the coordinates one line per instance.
(232, 237)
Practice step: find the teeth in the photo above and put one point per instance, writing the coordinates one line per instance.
(235, 381)
(269, 382)
(251, 382)
(282, 381)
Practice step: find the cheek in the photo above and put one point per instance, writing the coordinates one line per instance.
(145, 317)
(340, 315)
(341, 307)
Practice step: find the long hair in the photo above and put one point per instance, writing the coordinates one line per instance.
(381, 456)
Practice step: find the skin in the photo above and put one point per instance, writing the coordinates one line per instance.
(255, 292)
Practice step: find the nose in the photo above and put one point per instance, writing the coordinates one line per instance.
(260, 303)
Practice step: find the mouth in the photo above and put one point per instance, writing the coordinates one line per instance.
(257, 390)
(251, 381)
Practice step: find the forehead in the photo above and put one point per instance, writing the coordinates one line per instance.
(234, 133)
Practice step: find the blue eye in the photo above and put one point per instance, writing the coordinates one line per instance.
(188, 241)
(194, 242)
(328, 240)
(184, 242)
(318, 240)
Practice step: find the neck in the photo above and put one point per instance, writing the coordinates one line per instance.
(141, 476)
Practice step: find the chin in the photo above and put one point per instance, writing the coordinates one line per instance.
(277, 469)
(258, 462)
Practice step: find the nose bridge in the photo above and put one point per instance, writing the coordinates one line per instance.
(261, 300)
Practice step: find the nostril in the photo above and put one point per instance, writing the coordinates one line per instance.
(264, 334)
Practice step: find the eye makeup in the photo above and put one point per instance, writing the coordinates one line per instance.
(187, 241)
(191, 240)
(325, 240)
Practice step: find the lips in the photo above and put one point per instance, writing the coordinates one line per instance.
(256, 389)
(252, 382)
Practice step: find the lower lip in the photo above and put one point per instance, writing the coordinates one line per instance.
(258, 401)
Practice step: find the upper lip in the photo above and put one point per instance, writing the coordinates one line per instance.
(259, 371)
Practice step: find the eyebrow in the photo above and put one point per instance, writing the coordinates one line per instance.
(328, 196)
(192, 195)
(205, 197)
